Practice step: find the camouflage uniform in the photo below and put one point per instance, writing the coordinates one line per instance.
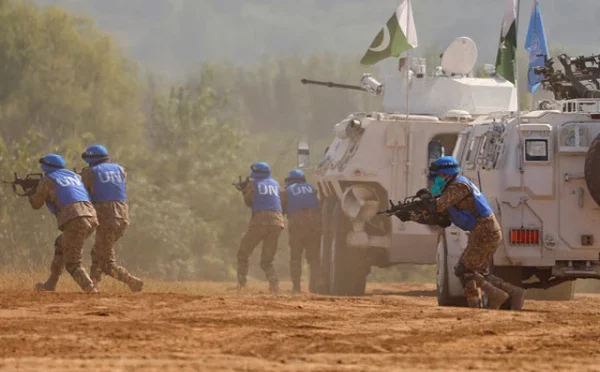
(77, 222)
(265, 226)
(482, 243)
(113, 217)
(304, 236)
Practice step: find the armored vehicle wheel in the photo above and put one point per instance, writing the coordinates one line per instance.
(348, 267)
(442, 282)
(592, 169)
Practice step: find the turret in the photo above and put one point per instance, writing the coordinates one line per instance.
(450, 87)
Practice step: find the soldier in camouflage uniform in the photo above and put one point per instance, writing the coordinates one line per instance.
(301, 204)
(262, 194)
(469, 210)
(63, 193)
(106, 184)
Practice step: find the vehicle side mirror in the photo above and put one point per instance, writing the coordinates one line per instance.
(303, 154)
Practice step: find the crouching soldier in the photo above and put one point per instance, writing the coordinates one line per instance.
(469, 210)
(262, 194)
(65, 196)
(301, 204)
(105, 182)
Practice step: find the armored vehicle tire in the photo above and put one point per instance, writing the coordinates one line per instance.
(348, 267)
(442, 282)
(591, 170)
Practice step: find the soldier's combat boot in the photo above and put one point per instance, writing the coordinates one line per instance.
(496, 297)
(274, 286)
(81, 277)
(241, 279)
(517, 294)
(96, 274)
(135, 284)
(474, 302)
(45, 287)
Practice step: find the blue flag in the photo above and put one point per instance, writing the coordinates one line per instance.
(536, 44)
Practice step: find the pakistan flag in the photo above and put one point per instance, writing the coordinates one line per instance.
(505, 59)
(398, 35)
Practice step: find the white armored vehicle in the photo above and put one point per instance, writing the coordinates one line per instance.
(377, 156)
(541, 174)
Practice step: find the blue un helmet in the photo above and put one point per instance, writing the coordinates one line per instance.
(447, 166)
(260, 170)
(295, 176)
(52, 162)
(94, 154)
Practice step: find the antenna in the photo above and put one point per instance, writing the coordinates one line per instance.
(460, 56)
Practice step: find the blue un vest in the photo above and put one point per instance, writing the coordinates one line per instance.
(467, 220)
(109, 183)
(301, 196)
(69, 188)
(266, 195)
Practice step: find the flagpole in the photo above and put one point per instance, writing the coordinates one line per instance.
(408, 159)
(521, 142)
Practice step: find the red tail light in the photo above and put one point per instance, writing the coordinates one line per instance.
(524, 236)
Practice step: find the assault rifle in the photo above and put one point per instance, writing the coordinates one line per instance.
(241, 185)
(416, 205)
(28, 184)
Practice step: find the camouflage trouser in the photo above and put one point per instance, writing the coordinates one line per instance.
(75, 232)
(57, 265)
(269, 235)
(103, 252)
(308, 241)
(476, 258)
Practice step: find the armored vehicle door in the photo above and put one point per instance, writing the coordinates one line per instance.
(578, 213)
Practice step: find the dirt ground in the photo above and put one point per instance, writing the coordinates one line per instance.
(208, 326)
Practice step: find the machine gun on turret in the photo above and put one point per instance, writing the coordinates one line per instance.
(367, 84)
(580, 78)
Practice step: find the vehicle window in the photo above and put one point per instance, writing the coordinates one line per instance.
(536, 150)
(435, 150)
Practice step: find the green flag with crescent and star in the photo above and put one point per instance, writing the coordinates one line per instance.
(398, 35)
(507, 50)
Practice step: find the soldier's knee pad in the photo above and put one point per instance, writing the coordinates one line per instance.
(460, 270)
(463, 274)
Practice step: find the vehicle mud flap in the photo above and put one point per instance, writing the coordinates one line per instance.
(591, 170)
(348, 266)
(322, 287)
